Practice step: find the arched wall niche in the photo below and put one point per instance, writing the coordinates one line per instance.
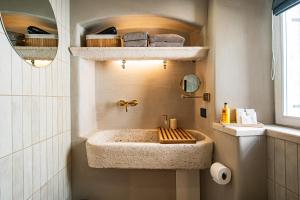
(193, 33)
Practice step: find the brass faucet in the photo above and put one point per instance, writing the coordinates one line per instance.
(123, 103)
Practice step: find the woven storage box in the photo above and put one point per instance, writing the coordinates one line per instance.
(41, 40)
(103, 41)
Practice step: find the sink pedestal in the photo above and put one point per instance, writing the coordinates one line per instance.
(187, 184)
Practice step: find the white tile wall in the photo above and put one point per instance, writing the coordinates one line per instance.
(35, 138)
(61, 185)
(17, 128)
(50, 189)
(36, 195)
(5, 126)
(35, 119)
(50, 159)
(44, 172)
(291, 196)
(60, 152)
(283, 169)
(59, 80)
(6, 178)
(26, 121)
(280, 192)
(26, 78)
(18, 175)
(59, 114)
(55, 187)
(43, 81)
(54, 78)
(49, 117)
(49, 80)
(5, 66)
(36, 161)
(55, 154)
(35, 81)
(271, 190)
(43, 118)
(54, 116)
(44, 191)
(17, 70)
(28, 172)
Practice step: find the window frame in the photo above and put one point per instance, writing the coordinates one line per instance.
(278, 72)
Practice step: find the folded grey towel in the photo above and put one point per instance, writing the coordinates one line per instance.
(133, 36)
(174, 38)
(166, 44)
(137, 43)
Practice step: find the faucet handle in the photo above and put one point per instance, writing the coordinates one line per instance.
(121, 102)
(133, 102)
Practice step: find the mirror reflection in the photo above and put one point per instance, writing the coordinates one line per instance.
(31, 28)
(190, 83)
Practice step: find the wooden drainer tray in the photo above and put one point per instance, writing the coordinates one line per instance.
(175, 136)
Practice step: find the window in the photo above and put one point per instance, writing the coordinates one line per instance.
(286, 49)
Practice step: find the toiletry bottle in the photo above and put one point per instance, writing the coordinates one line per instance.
(225, 118)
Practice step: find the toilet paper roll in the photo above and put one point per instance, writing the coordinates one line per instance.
(220, 173)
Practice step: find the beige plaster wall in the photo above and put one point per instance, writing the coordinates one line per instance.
(243, 55)
(239, 34)
(246, 157)
(156, 89)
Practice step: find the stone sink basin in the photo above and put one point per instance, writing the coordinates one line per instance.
(140, 149)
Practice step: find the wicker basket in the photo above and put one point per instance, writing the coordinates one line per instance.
(41, 40)
(103, 41)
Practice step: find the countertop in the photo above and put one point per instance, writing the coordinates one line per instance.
(276, 131)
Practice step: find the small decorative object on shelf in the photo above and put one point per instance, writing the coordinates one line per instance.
(246, 116)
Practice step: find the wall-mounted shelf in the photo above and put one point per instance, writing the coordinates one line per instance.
(36, 53)
(140, 53)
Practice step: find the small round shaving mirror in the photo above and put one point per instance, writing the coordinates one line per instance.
(190, 83)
